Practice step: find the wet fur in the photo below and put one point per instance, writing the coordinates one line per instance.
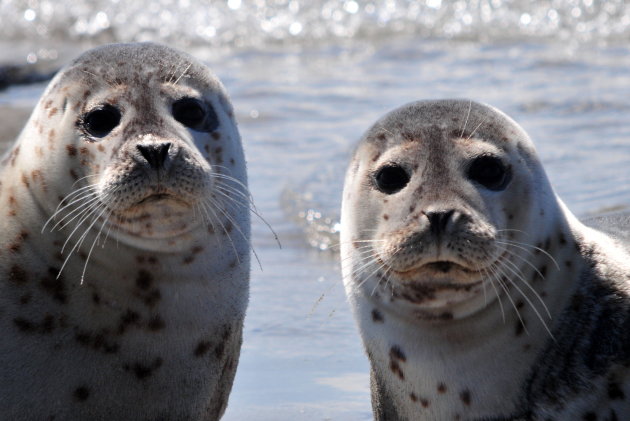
(545, 336)
(140, 315)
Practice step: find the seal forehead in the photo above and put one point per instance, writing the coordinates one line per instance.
(451, 117)
(136, 64)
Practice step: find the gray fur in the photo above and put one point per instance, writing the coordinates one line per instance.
(524, 314)
(142, 320)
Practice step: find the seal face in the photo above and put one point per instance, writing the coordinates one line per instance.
(124, 259)
(468, 276)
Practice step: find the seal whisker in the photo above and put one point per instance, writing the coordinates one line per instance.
(522, 246)
(476, 128)
(80, 240)
(85, 213)
(95, 241)
(238, 228)
(501, 281)
(96, 215)
(211, 207)
(466, 120)
(531, 304)
(495, 277)
(87, 200)
(527, 283)
(253, 210)
(183, 73)
(60, 208)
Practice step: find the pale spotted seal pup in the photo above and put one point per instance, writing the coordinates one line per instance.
(478, 295)
(129, 303)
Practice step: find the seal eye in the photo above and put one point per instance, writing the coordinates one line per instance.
(391, 178)
(101, 121)
(490, 172)
(195, 114)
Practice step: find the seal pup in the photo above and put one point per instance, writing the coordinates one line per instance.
(478, 295)
(124, 254)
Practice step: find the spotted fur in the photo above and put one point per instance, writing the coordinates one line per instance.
(504, 307)
(123, 273)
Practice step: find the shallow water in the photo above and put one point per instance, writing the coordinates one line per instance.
(303, 99)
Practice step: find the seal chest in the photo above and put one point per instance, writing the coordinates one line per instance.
(124, 264)
(477, 293)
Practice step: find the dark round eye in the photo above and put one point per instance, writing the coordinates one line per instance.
(100, 121)
(391, 178)
(190, 112)
(490, 172)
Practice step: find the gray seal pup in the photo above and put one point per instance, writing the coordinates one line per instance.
(478, 295)
(124, 247)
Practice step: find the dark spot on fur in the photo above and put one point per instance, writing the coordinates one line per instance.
(142, 371)
(216, 135)
(561, 239)
(441, 388)
(72, 150)
(25, 299)
(128, 318)
(18, 275)
(201, 348)
(377, 317)
(96, 299)
(385, 217)
(99, 341)
(589, 416)
(156, 323)
(144, 280)
(520, 327)
(23, 324)
(73, 174)
(413, 397)
(81, 394)
(53, 285)
(395, 368)
(615, 391)
(424, 403)
(395, 353)
(465, 397)
(219, 350)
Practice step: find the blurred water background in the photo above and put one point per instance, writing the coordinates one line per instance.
(307, 77)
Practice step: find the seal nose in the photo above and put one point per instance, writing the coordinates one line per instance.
(438, 220)
(155, 153)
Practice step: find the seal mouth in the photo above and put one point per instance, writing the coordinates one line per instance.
(156, 198)
(441, 267)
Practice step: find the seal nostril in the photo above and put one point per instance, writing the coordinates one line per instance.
(155, 154)
(438, 220)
